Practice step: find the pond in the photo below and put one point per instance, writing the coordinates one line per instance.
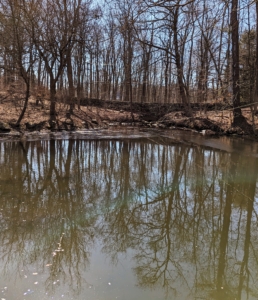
(133, 215)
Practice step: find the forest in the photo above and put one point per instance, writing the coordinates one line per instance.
(136, 51)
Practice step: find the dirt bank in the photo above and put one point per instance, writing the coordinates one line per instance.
(213, 119)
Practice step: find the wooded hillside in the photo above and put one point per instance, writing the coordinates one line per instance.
(179, 51)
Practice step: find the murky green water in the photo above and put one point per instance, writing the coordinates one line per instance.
(139, 218)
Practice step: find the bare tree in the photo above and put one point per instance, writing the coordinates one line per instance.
(17, 45)
(256, 60)
(235, 60)
(52, 27)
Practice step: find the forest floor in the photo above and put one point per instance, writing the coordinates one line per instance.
(36, 118)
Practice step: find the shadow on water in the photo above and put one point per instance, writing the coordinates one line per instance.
(181, 219)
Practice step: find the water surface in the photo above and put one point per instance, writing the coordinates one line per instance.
(147, 216)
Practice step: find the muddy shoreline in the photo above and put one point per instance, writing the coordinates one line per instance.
(208, 119)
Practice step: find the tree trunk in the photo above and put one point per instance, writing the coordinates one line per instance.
(70, 80)
(27, 95)
(52, 99)
(179, 67)
(235, 61)
(256, 60)
(238, 119)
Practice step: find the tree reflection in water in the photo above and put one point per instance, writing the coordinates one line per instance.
(188, 214)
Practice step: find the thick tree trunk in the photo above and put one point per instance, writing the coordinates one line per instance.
(238, 118)
(256, 61)
(179, 67)
(235, 60)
